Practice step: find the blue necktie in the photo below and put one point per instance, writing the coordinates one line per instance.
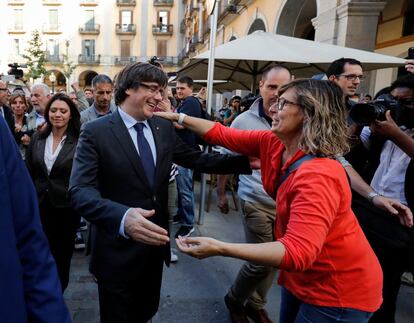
(145, 153)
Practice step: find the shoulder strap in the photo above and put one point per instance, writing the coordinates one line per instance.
(293, 167)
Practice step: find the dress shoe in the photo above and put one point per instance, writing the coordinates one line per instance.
(237, 312)
(258, 316)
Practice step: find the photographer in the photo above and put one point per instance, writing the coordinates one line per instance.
(389, 166)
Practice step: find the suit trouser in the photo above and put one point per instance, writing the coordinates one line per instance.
(131, 301)
(254, 281)
(394, 260)
(59, 225)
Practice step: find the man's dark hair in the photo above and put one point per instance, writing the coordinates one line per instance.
(406, 81)
(132, 76)
(337, 67)
(187, 80)
(276, 68)
(101, 78)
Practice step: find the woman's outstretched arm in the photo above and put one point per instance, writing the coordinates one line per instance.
(196, 125)
(269, 253)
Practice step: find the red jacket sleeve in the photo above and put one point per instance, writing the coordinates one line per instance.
(245, 142)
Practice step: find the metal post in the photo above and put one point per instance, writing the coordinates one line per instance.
(210, 79)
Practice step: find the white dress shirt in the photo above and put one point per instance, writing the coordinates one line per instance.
(389, 178)
(130, 122)
(50, 155)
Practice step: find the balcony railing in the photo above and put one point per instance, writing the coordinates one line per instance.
(90, 59)
(53, 58)
(88, 2)
(16, 28)
(169, 3)
(16, 2)
(125, 3)
(124, 60)
(126, 29)
(51, 28)
(162, 29)
(168, 60)
(52, 2)
(90, 29)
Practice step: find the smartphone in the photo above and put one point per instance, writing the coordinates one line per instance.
(411, 53)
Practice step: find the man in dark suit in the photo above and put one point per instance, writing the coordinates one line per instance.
(119, 183)
(4, 109)
(30, 289)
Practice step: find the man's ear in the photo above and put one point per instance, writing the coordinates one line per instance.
(260, 83)
(331, 78)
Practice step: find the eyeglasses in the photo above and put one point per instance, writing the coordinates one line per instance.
(153, 88)
(352, 77)
(281, 102)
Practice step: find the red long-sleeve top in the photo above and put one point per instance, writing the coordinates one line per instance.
(328, 261)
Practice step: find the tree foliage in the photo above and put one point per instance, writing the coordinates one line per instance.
(35, 57)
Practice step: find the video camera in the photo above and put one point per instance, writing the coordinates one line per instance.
(364, 114)
(15, 70)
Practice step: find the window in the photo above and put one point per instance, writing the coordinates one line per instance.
(16, 47)
(126, 20)
(162, 48)
(53, 19)
(52, 47)
(18, 19)
(89, 20)
(88, 47)
(125, 48)
(408, 28)
(162, 18)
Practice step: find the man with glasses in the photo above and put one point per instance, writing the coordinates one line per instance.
(119, 183)
(5, 111)
(247, 296)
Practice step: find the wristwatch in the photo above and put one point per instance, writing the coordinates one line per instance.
(371, 196)
(181, 117)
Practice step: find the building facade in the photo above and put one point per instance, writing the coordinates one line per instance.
(385, 27)
(103, 35)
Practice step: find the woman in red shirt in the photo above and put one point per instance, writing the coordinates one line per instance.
(328, 270)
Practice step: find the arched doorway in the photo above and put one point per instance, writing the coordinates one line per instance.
(258, 24)
(295, 19)
(59, 83)
(85, 78)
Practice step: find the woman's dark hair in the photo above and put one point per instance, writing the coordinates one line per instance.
(132, 76)
(74, 124)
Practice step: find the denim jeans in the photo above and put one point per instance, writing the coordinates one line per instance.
(293, 310)
(185, 196)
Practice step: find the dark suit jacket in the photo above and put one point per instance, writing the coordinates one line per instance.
(108, 178)
(54, 185)
(8, 116)
(29, 285)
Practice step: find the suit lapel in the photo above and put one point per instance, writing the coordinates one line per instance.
(125, 142)
(64, 152)
(41, 154)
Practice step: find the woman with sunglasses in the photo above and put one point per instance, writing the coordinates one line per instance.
(328, 270)
(49, 160)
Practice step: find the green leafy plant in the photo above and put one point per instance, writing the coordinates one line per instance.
(35, 57)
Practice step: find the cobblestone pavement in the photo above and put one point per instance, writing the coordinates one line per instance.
(193, 290)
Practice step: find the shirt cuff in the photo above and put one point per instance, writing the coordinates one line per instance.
(122, 225)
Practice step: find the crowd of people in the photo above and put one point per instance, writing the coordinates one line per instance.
(325, 190)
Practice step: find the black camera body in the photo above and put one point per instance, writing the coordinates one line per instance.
(364, 114)
(15, 70)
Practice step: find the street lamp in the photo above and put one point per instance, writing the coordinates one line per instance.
(52, 78)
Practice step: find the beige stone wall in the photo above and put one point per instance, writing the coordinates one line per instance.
(72, 16)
